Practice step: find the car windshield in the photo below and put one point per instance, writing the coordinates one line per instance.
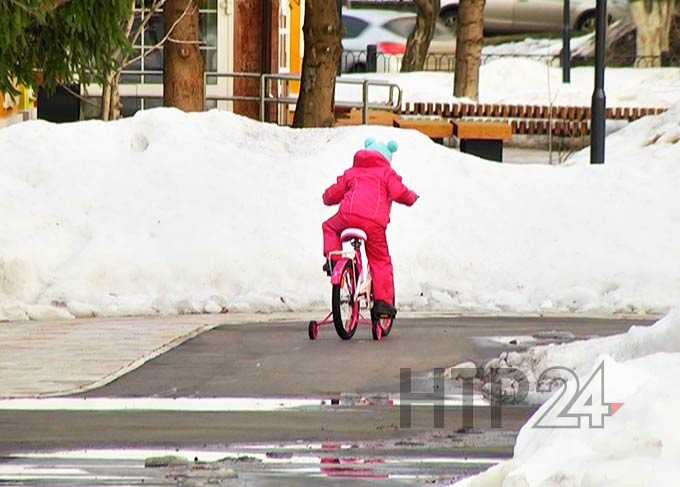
(353, 26)
(403, 26)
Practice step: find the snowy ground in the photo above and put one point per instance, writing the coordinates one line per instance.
(525, 81)
(637, 443)
(535, 47)
(651, 139)
(177, 213)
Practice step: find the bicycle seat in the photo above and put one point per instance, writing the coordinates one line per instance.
(353, 234)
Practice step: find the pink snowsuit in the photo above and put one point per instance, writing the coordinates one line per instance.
(365, 193)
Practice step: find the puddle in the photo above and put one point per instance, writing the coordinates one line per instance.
(264, 464)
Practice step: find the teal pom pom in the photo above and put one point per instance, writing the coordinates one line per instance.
(369, 141)
(392, 146)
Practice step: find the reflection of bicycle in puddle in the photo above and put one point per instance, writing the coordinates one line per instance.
(352, 468)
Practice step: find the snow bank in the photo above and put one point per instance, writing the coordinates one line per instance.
(178, 213)
(638, 445)
(526, 81)
(535, 47)
(651, 139)
(581, 356)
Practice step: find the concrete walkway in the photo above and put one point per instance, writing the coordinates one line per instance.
(55, 358)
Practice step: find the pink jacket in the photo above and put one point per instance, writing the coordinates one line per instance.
(368, 189)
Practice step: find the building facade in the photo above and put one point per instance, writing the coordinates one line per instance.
(237, 36)
(18, 108)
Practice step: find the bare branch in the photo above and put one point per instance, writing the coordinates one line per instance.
(131, 19)
(80, 97)
(146, 18)
(177, 41)
(167, 37)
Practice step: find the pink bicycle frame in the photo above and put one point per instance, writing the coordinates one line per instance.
(342, 260)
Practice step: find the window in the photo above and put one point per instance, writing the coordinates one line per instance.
(284, 35)
(130, 106)
(208, 13)
(152, 34)
(403, 26)
(353, 26)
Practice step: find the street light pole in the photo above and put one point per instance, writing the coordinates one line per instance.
(566, 42)
(599, 101)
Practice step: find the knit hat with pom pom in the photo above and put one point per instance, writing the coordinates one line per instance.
(385, 149)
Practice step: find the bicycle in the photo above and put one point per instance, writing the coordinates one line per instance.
(352, 291)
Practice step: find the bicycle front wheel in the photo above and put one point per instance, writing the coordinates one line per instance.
(345, 312)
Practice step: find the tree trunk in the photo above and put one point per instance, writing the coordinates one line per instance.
(322, 34)
(111, 105)
(419, 40)
(653, 23)
(115, 105)
(469, 41)
(106, 101)
(256, 37)
(183, 86)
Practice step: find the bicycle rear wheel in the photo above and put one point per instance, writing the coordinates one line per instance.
(345, 312)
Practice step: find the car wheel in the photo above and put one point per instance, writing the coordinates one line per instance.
(358, 68)
(588, 21)
(449, 18)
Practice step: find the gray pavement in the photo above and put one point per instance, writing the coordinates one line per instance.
(277, 359)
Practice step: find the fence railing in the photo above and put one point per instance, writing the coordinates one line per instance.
(279, 96)
(357, 61)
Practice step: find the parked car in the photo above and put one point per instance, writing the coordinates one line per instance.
(508, 16)
(389, 31)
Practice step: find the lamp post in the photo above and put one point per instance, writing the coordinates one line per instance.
(599, 100)
(566, 42)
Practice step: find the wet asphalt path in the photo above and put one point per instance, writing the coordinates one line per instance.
(278, 359)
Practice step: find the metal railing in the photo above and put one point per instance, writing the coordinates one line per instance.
(265, 95)
(393, 102)
(357, 61)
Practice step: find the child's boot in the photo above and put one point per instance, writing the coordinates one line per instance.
(329, 265)
(381, 309)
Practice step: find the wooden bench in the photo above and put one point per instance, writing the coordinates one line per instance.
(436, 128)
(482, 139)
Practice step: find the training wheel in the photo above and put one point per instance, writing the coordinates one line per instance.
(313, 330)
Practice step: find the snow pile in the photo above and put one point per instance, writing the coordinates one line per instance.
(534, 47)
(638, 445)
(179, 213)
(653, 138)
(526, 81)
(540, 363)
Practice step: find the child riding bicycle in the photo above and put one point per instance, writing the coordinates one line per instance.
(365, 193)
